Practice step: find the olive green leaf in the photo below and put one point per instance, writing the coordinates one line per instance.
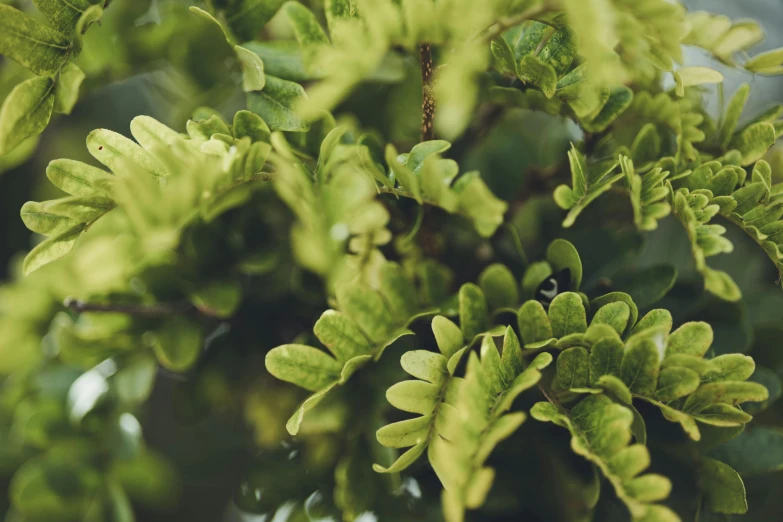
(67, 91)
(585, 187)
(26, 110)
(178, 343)
(64, 14)
(723, 489)
(695, 75)
(433, 396)
(368, 321)
(491, 385)
(33, 45)
(499, 286)
(275, 104)
(601, 433)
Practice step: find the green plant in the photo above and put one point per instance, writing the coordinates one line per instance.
(294, 243)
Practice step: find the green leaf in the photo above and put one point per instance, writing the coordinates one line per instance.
(487, 393)
(504, 56)
(26, 110)
(77, 178)
(573, 368)
(676, 382)
(601, 433)
(37, 219)
(275, 104)
(754, 141)
(648, 285)
(253, 77)
(561, 254)
(567, 315)
(499, 286)
(695, 75)
(307, 30)
(541, 74)
(473, 312)
(118, 152)
(723, 489)
(692, 338)
(433, 398)
(33, 45)
(67, 92)
(64, 14)
(247, 17)
(757, 450)
(560, 49)
(606, 357)
(249, 125)
(51, 249)
(613, 297)
(769, 62)
(534, 324)
(178, 343)
(615, 315)
(732, 115)
(618, 101)
(220, 297)
(641, 365)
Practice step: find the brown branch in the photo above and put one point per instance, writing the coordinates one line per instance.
(427, 101)
(150, 311)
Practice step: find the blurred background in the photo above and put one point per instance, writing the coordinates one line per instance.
(153, 57)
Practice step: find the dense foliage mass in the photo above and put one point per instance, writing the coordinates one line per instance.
(348, 268)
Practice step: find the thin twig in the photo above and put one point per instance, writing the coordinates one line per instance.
(156, 310)
(427, 100)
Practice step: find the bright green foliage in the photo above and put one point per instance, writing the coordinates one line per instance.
(46, 52)
(369, 320)
(201, 245)
(139, 168)
(491, 384)
(601, 432)
(433, 396)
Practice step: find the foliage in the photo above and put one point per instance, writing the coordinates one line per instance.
(315, 239)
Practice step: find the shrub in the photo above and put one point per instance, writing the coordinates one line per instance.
(553, 333)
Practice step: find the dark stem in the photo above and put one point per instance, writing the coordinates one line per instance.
(427, 101)
(156, 310)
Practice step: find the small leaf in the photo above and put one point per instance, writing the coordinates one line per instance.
(754, 141)
(51, 249)
(769, 62)
(473, 314)
(692, 338)
(606, 357)
(67, 92)
(732, 115)
(26, 110)
(539, 73)
(499, 286)
(562, 254)
(305, 366)
(275, 104)
(696, 75)
(567, 315)
(641, 365)
(573, 368)
(676, 382)
(533, 323)
(116, 152)
(447, 335)
(178, 343)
